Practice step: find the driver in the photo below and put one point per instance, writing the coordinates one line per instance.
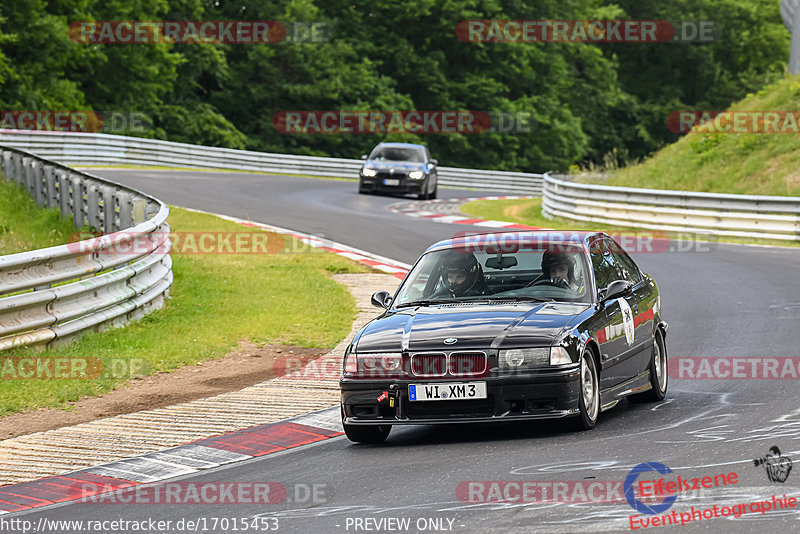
(559, 267)
(462, 275)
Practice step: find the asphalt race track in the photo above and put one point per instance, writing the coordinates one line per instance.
(720, 300)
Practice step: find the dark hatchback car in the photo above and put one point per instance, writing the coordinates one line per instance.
(509, 326)
(399, 168)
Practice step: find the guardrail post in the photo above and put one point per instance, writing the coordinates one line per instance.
(125, 210)
(78, 217)
(5, 161)
(27, 175)
(139, 211)
(12, 168)
(50, 186)
(109, 209)
(63, 194)
(93, 206)
(40, 182)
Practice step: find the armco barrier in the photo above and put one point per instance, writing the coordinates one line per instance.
(716, 214)
(103, 149)
(50, 295)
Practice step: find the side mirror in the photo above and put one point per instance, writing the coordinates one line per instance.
(363, 156)
(435, 161)
(381, 299)
(616, 289)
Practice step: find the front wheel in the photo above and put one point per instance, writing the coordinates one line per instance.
(589, 402)
(658, 373)
(367, 434)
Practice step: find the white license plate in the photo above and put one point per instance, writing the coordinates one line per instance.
(447, 391)
(391, 181)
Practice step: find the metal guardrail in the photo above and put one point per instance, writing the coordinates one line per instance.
(50, 295)
(103, 149)
(752, 216)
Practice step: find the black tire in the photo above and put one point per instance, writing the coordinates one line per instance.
(433, 195)
(659, 376)
(589, 397)
(367, 433)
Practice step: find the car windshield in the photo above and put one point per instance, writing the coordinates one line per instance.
(542, 272)
(398, 154)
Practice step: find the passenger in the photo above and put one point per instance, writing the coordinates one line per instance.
(559, 269)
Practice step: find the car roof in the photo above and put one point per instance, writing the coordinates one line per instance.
(521, 237)
(400, 145)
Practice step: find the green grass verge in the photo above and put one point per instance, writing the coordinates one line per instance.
(216, 301)
(745, 163)
(529, 211)
(24, 225)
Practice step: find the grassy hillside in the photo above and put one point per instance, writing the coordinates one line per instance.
(747, 163)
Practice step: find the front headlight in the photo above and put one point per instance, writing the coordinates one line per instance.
(538, 357)
(416, 175)
(374, 365)
(369, 172)
(517, 357)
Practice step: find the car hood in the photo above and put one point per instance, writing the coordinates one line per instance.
(401, 166)
(473, 326)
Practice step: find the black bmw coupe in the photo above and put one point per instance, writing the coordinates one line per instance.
(507, 326)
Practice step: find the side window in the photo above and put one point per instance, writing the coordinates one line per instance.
(627, 268)
(604, 265)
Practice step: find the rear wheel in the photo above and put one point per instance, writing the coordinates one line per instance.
(589, 401)
(658, 373)
(367, 433)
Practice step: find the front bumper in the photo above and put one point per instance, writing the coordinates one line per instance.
(405, 185)
(534, 395)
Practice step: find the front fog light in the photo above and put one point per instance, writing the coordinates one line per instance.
(416, 175)
(559, 356)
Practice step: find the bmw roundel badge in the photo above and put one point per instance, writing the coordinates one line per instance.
(450, 341)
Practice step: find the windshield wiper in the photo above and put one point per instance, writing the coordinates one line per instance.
(422, 303)
(522, 299)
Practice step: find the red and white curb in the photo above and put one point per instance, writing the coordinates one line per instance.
(174, 462)
(387, 265)
(413, 211)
